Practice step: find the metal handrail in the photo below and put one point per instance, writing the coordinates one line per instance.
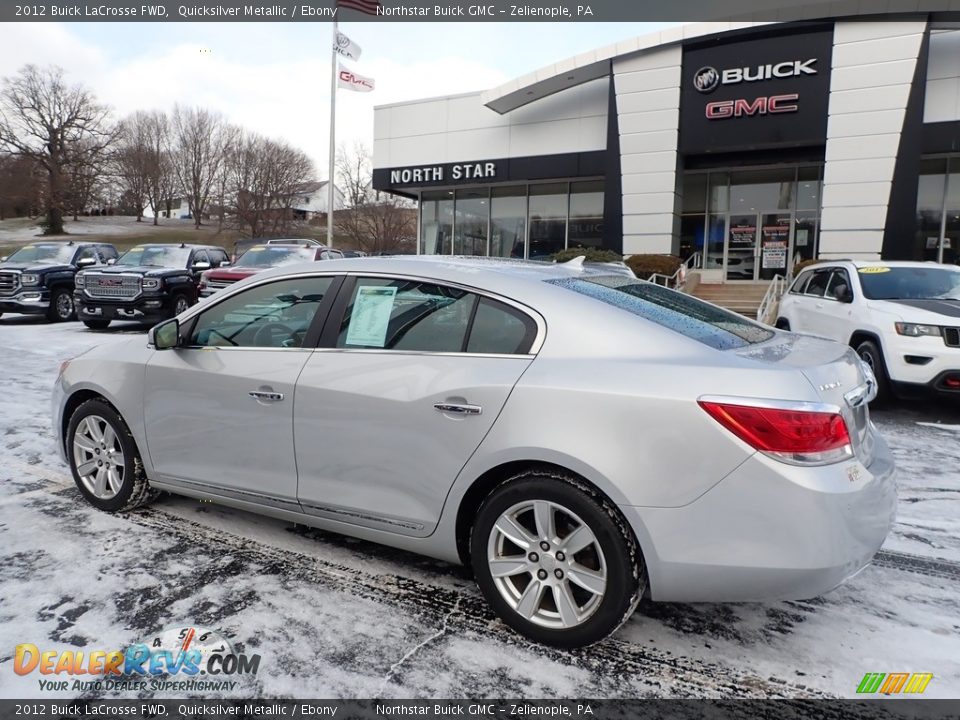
(771, 298)
(679, 278)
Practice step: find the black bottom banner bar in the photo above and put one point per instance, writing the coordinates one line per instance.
(890, 709)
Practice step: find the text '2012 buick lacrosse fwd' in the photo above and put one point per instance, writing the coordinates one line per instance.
(580, 439)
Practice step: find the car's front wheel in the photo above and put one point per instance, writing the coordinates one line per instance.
(871, 354)
(61, 306)
(180, 304)
(556, 559)
(104, 459)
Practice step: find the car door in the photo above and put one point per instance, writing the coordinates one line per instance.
(810, 306)
(410, 376)
(834, 313)
(219, 410)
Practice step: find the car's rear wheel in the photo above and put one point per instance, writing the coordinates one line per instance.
(61, 306)
(104, 459)
(97, 324)
(871, 354)
(556, 559)
(782, 324)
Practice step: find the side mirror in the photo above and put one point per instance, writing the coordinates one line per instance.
(224, 263)
(86, 262)
(164, 336)
(843, 294)
(4, 258)
(201, 266)
(112, 261)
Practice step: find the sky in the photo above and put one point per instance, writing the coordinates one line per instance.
(274, 78)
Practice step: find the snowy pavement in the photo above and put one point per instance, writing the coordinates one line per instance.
(340, 618)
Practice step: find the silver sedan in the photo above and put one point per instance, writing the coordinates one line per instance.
(579, 438)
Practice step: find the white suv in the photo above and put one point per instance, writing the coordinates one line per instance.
(903, 318)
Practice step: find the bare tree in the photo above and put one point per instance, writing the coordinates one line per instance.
(20, 186)
(371, 220)
(161, 175)
(132, 161)
(85, 176)
(199, 142)
(266, 176)
(43, 118)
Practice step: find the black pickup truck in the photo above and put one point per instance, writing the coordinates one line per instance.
(38, 279)
(147, 284)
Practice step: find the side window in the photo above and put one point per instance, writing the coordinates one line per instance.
(818, 283)
(88, 253)
(217, 257)
(200, 256)
(276, 315)
(500, 329)
(108, 252)
(406, 315)
(801, 281)
(839, 284)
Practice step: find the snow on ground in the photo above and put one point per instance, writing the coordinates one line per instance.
(336, 617)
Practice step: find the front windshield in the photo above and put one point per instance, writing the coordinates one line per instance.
(51, 254)
(265, 256)
(937, 282)
(156, 256)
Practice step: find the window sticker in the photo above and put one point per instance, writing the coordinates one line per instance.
(371, 316)
(255, 250)
(873, 270)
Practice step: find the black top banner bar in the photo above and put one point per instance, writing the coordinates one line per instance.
(440, 11)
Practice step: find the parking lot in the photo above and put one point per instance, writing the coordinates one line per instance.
(335, 617)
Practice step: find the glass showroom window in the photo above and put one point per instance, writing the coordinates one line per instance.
(436, 222)
(471, 224)
(938, 210)
(586, 214)
(548, 219)
(508, 221)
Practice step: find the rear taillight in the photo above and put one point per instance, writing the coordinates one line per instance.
(791, 433)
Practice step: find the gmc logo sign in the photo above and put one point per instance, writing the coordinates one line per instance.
(741, 107)
(110, 282)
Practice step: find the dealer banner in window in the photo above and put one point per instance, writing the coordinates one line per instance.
(774, 254)
(370, 317)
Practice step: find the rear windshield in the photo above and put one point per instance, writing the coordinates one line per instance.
(264, 256)
(692, 318)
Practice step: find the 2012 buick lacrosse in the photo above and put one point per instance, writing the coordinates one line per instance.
(580, 439)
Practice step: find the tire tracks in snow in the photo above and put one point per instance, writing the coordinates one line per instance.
(458, 611)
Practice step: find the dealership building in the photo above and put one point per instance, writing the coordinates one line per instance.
(756, 145)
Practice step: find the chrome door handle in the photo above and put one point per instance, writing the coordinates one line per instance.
(458, 408)
(263, 395)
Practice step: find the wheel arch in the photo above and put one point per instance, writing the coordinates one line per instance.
(859, 336)
(483, 485)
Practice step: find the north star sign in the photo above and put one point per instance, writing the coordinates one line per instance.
(457, 172)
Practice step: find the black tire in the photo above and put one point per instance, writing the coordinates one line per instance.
(135, 488)
(97, 324)
(61, 306)
(179, 302)
(782, 324)
(626, 573)
(871, 354)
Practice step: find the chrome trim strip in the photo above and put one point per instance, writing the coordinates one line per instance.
(796, 405)
(364, 516)
(231, 492)
(427, 353)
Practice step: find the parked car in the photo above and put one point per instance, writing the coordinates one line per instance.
(38, 279)
(244, 244)
(580, 438)
(256, 259)
(147, 284)
(903, 318)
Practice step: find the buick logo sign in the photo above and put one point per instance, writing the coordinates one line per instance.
(706, 79)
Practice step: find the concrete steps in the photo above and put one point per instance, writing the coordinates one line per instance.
(743, 298)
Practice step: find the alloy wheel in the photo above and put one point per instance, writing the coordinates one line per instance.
(64, 306)
(547, 564)
(181, 305)
(98, 457)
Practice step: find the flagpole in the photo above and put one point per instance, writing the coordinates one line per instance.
(333, 123)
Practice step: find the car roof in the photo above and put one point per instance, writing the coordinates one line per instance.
(188, 246)
(877, 263)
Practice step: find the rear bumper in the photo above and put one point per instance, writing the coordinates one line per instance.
(770, 531)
